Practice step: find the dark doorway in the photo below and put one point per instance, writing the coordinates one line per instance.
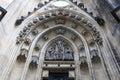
(58, 76)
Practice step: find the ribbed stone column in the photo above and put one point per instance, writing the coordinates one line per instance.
(89, 63)
(23, 76)
(39, 69)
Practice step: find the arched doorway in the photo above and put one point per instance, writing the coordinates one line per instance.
(59, 61)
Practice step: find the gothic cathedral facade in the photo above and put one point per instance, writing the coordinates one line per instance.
(60, 40)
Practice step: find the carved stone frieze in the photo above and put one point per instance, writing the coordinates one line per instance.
(59, 51)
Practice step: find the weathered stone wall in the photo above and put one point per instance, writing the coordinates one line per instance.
(112, 28)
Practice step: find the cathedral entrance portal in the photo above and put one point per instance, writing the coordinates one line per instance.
(59, 61)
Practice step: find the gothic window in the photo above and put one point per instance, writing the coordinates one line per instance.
(59, 51)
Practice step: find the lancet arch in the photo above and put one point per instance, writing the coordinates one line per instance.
(62, 31)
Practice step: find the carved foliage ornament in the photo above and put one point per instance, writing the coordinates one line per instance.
(59, 51)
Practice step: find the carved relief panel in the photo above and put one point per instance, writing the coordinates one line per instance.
(59, 51)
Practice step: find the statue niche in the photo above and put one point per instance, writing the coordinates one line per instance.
(59, 51)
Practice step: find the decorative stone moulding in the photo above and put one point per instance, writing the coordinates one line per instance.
(35, 21)
(84, 32)
(35, 9)
(23, 55)
(91, 42)
(37, 47)
(100, 21)
(19, 40)
(47, 15)
(22, 34)
(45, 37)
(34, 62)
(94, 52)
(27, 41)
(72, 15)
(41, 17)
(78, 18)
(81, 47)
(99, 41)
(74, 37)
(40, 5)
(54, 13)
(83, 59)
(35, 32)
(19, 21)
(26, 29)
(60, 31)
(30, 24)
(84, 21)
(60, 21)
